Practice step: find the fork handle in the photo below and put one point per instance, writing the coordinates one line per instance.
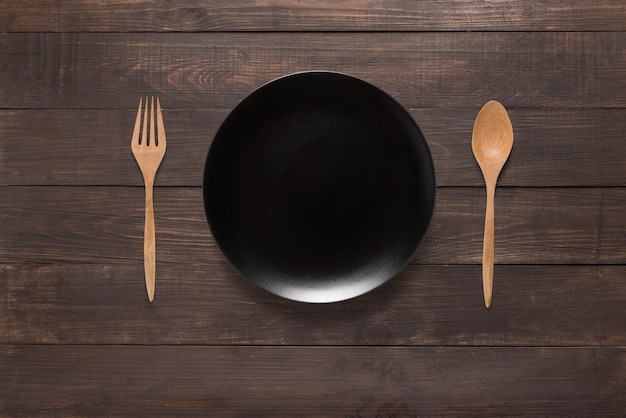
(149, 244)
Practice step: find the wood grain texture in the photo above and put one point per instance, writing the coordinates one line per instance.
(79, 338)
(210, 304)
(311, 381)
(554, 147)
(104, 225)
(217, 70)
(284, 15)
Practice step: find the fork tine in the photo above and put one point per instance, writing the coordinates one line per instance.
(152, 143)
(144, 134)
(161, 141)
(135, 138)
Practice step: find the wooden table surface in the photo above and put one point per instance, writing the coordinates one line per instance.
(78, 336)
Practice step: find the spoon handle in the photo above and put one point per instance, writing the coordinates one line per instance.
(488, 244)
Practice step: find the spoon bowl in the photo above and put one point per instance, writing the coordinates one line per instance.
(492, 141)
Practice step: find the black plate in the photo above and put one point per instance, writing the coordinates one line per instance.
(319, 187)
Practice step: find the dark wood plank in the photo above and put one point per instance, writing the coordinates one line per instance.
(553, 147)
(262, 15)
(92, 146)
(105, 225)
(217, 70)
(311, 382)
(210, 304)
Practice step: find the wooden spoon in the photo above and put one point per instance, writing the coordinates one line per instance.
(492, 140)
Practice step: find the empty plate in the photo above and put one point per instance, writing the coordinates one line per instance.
(319, 187)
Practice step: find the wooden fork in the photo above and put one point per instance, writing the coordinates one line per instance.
(149, 152)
